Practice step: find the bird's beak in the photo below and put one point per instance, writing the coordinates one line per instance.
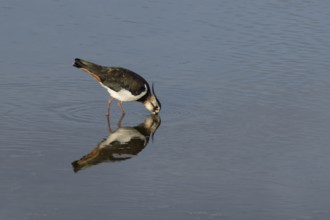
(154, 94)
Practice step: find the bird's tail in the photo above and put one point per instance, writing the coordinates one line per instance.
(80, 63)
(91, 68)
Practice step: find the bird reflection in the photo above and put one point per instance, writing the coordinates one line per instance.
(121, 144)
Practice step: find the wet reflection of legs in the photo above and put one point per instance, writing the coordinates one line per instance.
(119, 124)
(120, 120)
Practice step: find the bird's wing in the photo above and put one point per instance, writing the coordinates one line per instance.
(117, 78)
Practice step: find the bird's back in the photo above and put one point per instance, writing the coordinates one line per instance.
(116, 78)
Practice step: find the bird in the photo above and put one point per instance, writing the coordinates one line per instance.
(122, 84)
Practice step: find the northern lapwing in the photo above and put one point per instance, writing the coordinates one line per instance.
(122, 84)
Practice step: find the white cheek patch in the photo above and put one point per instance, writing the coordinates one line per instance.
(149, 106)
(125, 95)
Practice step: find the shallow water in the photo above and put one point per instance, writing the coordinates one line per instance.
(244, 130)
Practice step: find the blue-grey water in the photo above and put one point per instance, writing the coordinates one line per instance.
(244, 132)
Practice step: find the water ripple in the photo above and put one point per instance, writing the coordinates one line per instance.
(81, 112)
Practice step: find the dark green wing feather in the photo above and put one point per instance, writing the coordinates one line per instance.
(117, 78)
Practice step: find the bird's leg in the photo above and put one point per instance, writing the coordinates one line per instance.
(109, 103)
(109, 126)
(120, 120)
(121, 108)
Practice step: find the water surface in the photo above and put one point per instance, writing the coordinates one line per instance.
(244, 130)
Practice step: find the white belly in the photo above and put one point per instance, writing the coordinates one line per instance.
(124, 95)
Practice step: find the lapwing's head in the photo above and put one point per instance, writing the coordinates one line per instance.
(152, 103)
